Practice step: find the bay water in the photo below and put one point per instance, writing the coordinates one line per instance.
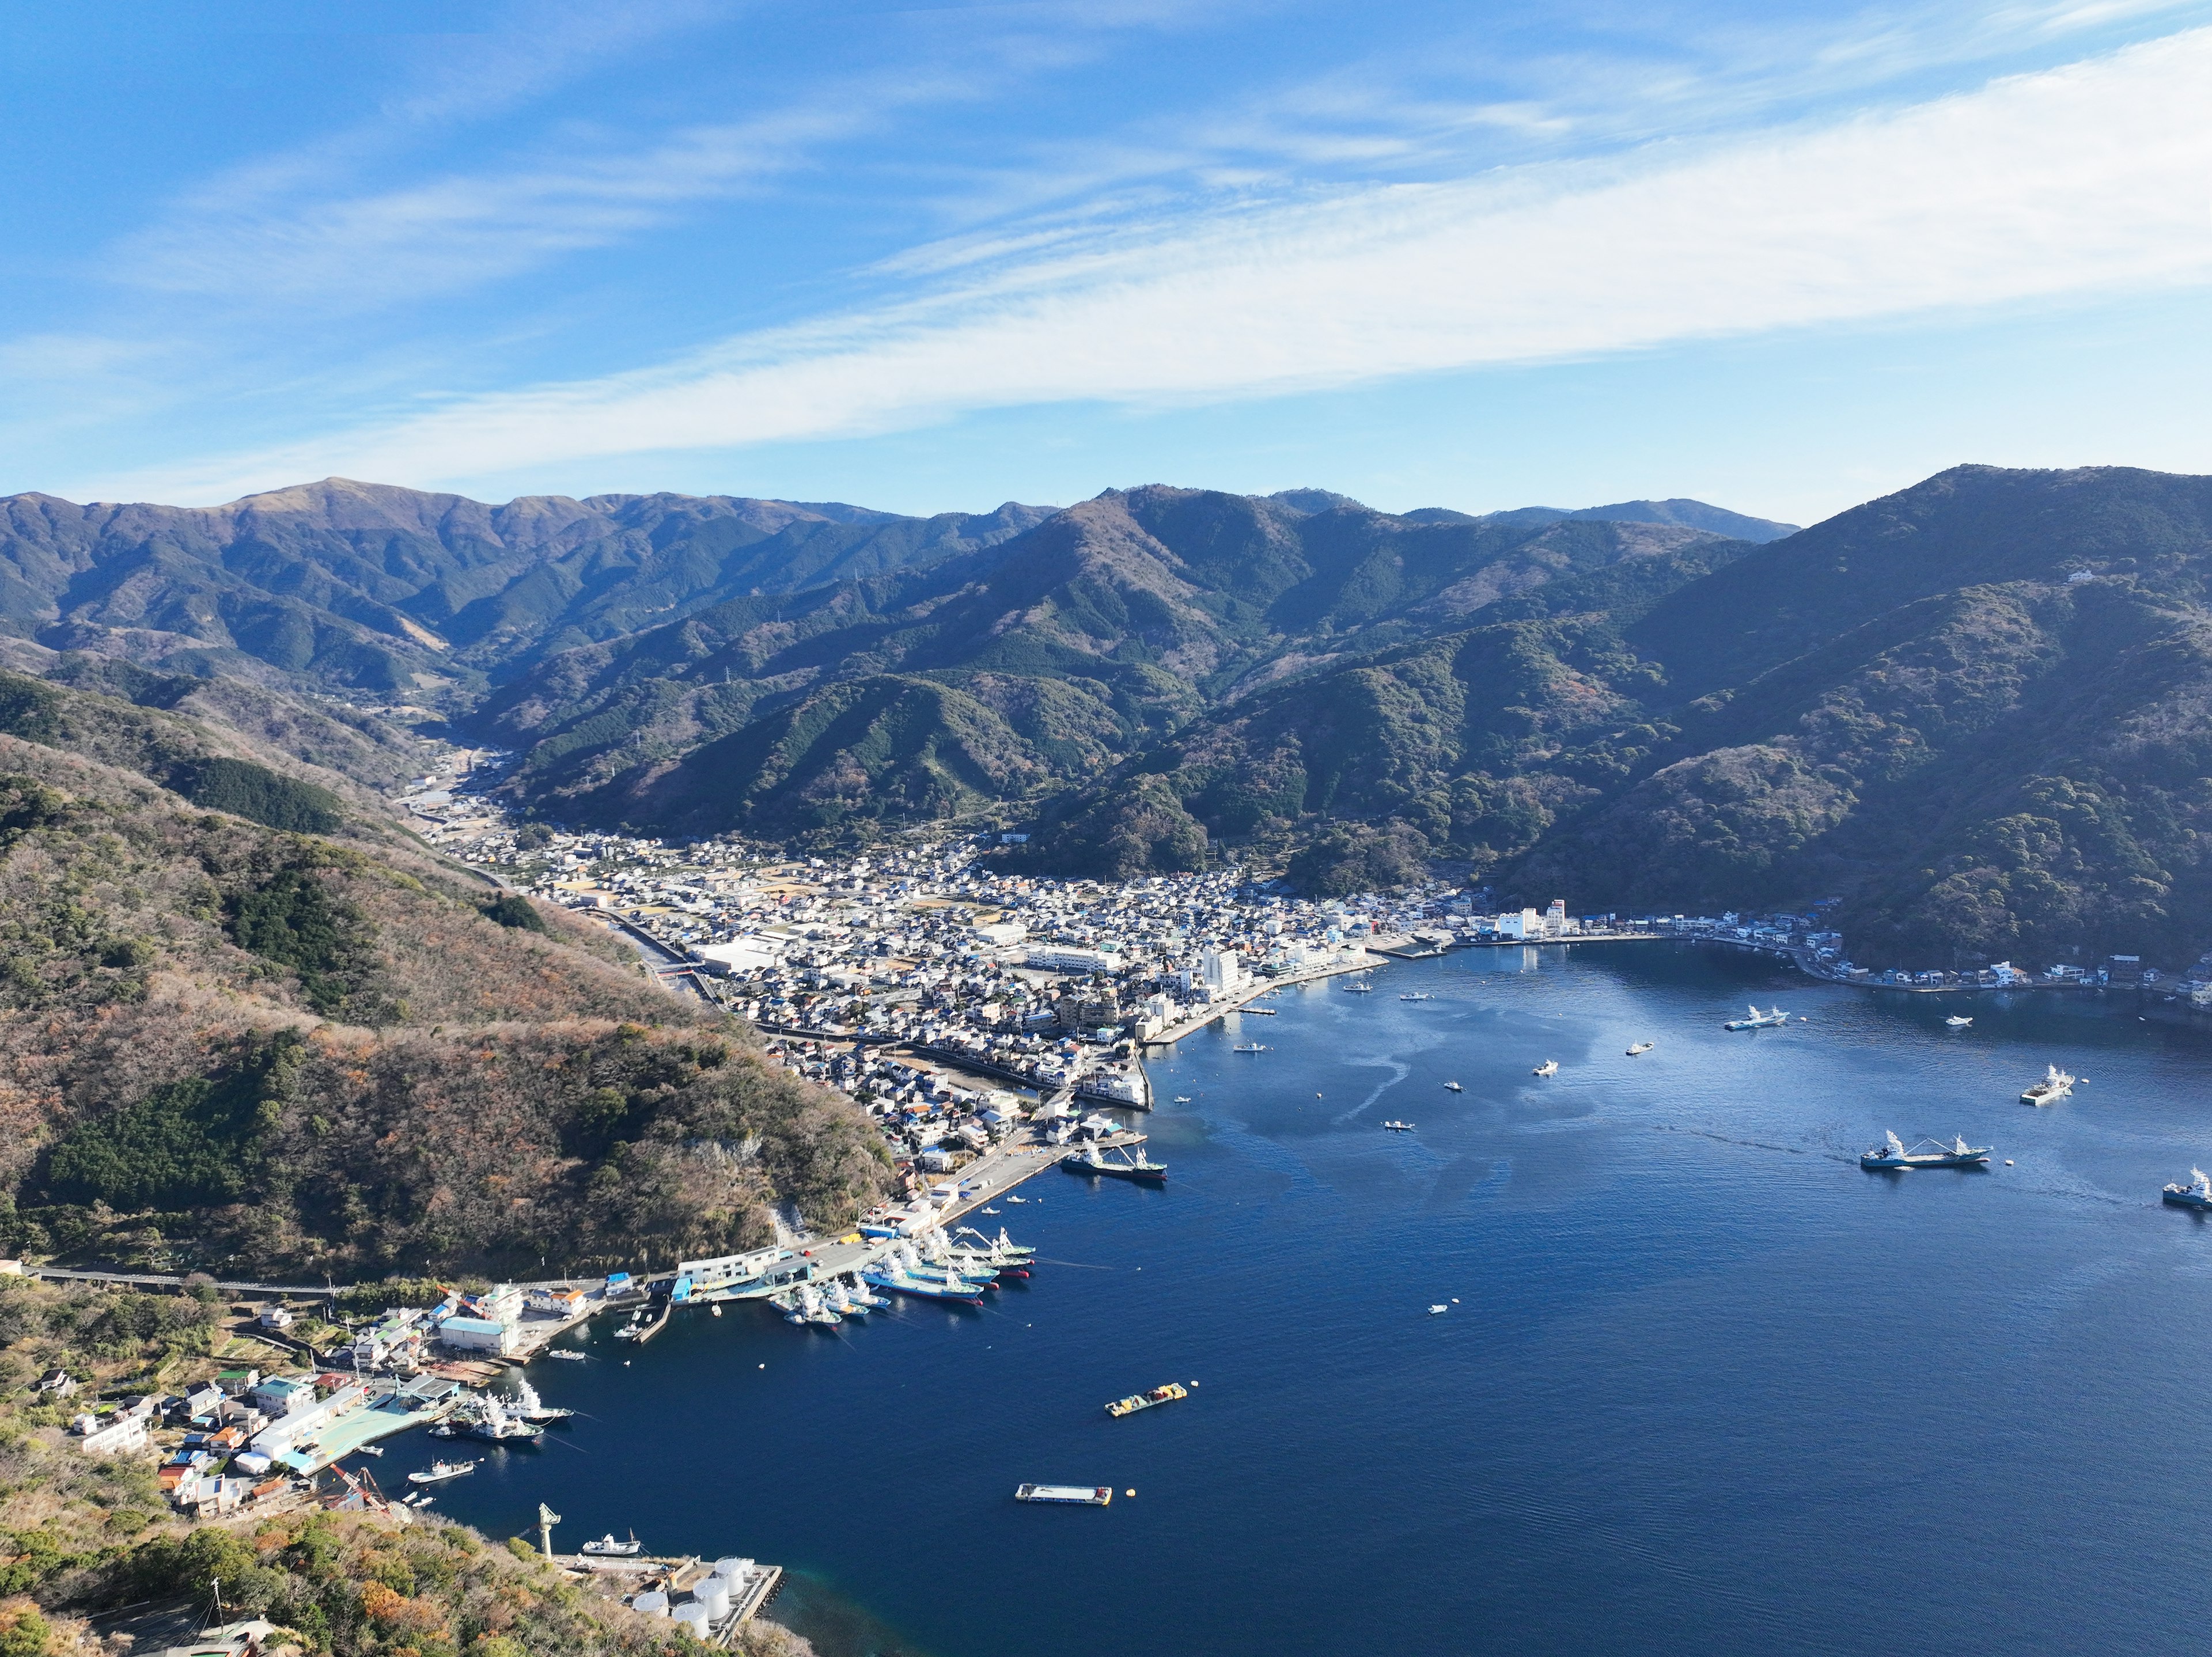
(1702, 1385)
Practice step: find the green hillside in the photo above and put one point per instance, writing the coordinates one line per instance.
(258, 1049)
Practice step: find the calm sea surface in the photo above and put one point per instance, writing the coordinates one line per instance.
(1704, 1385)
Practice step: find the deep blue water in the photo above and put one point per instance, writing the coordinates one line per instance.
(1704, 1388)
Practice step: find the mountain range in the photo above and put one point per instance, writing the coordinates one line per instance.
(1973, 712)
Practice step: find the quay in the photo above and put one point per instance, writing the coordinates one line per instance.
(1247, 993)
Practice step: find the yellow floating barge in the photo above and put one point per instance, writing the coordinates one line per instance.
(1136, 1401)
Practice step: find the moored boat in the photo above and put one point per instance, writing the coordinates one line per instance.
(439, 1472)
(2056, 1084)
(1166, 1393)
(1641, 1047)
(1549, 1067)
(1133, 1166)
(1757, 1020)
(1251, 1046)
(1089, 1495)
(608, 1548)
(1928, 1153)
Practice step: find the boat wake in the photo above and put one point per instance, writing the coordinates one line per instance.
(1398, 1071)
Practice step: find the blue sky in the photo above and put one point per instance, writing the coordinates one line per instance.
(932, 257)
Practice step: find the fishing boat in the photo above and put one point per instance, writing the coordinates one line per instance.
(2056, 1084)
(1264, 1012)
(2196, 1194)
(1929, 1153)
(1454, 1086)
(1955, 1023)
(1089, 1495)
(990, 1210)
(1251, 1046)
(1360, 986)
(1165, 1393)
(439, 1472)
(1757, 1020)
(1180, 1099)
(1399, 1127)
(1417, 995)
(573, 1357)
(1641, 1047)
(1093, 1161)
(607, 1548)
(889, 1277)
(1017, 1199)
(1549, 1067)
(486, 1416)
(534, 1409)
(1438, 1309)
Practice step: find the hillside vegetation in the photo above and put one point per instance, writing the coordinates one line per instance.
(230, 1045)
(91, 1537)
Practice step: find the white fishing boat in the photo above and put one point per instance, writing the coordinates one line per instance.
(608, 1548)
(1399, 1127)
(1641, 1047)
(1454, 1086)
(1180, 1099)
(1929, 1153)
(1549, 1067)
(2056, 1084)
(573, 1357)
(1955, 1023)
(1757, 1020)
(372, 1449)
(532, 1408)
(1438, 1310)
(1251, 1046)
(439, 1472)
(1417, 995)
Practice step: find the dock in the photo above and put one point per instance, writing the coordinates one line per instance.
(1252, 991)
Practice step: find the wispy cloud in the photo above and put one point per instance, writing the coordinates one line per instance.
(2087, 178)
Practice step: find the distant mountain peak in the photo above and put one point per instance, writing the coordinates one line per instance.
(1311, 501)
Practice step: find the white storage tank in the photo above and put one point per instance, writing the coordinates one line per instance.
(655, 1604)
(734, 1570)
(693, 1618)
(714, 1594)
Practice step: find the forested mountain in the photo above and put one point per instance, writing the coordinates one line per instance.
(389, 589)
(1915, 707)
(246, 1027)
(1979, 711)
(1011, 674)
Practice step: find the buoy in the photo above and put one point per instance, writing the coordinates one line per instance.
(1128, 1492)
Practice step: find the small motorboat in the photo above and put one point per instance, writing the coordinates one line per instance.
(1183, 1098)
(1417, 995)
(1017, 1199)
(990, 1210)
(372, 1449)
(1438, 1310)
(573, 1357)
(607, 1548)
(1549, 1067)
(1955, 1023)
(717, 1310)
(1251, 1046)
(1454, 1086)
(1399, 1127)
(1641, 1047)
